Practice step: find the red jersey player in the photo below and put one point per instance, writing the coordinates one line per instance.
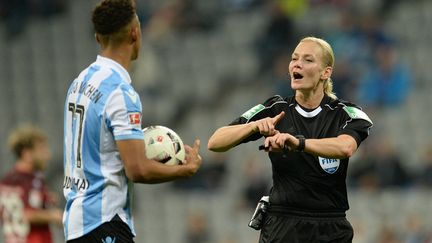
(24, 198)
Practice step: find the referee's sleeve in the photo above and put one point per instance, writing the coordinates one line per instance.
(357, 128)
(255, 113)
(258, 112)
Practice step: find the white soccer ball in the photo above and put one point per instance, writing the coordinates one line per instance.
(164, 145)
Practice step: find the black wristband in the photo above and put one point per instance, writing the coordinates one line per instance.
(302, 143)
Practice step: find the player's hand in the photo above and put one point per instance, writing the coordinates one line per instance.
(193, 160)
(280, 141)
(266, 126)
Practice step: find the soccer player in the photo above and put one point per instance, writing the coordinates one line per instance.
(104, 150)
(26, 205)
(309, 138)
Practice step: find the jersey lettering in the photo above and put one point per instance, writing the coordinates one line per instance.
(78, 183)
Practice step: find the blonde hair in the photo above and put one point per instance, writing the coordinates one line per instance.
(328, 61)
(25, 137)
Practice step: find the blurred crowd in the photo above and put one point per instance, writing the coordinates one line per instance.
(380, 166)
(368, 69)
(17, 13)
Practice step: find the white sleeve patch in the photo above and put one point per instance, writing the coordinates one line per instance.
(356, 113)
(253, 111)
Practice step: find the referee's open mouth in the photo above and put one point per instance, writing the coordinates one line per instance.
(297, 76)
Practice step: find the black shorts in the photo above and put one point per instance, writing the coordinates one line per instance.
(113, 231)
(297, 228)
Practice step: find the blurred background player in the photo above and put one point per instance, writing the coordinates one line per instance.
(104, 145)
(26, 205)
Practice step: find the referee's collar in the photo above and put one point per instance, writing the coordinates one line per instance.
(311, 112)
(116, 66)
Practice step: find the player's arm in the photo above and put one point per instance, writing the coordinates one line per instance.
(123, 110)
(43, 216)
(141, 169)
(227, 137)
(340, 147)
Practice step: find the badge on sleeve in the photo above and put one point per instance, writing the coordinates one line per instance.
(253, 111)
(356, 113)
(134, 118)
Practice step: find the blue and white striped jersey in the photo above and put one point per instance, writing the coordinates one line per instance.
(101, 107)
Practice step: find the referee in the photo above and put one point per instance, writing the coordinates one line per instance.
(309, 138)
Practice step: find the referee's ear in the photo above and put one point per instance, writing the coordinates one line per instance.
(326, 73)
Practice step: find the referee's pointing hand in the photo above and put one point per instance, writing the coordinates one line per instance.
(266, 126)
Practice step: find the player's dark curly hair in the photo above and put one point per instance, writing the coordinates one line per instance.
(110, 16)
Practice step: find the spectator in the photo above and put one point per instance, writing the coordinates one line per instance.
(256, 183)
(380, 167)
(388, 235)
(279, 75)
(349, 45)
(241, 5)
(209, 178)
(343, 76)
(278, 37)
(424, 177)
(387, 80)
(15, 14)
(197, 229)
(414, 232)
(189, 17)
(177, 15)
(215, 171)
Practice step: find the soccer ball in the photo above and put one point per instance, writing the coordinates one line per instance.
(164, 145)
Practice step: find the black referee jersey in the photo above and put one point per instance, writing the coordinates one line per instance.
(302, 181)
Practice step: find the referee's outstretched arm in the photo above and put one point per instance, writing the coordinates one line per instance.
(227, 137)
